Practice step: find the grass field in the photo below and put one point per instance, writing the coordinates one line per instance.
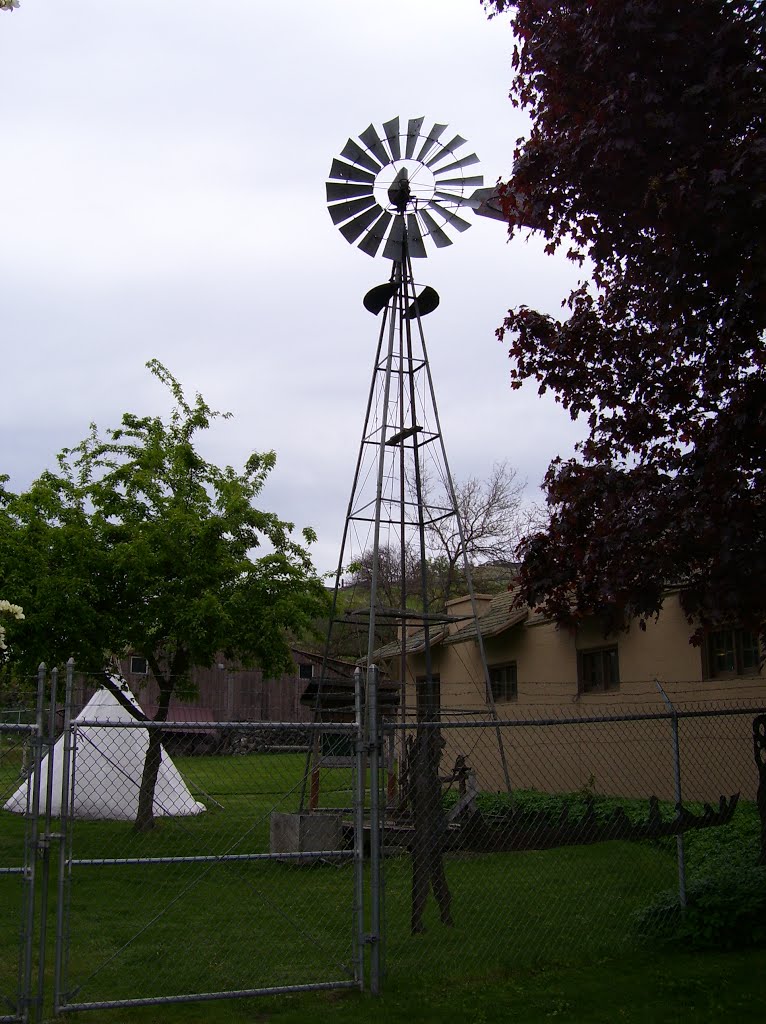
(538, 935)
(674, 989)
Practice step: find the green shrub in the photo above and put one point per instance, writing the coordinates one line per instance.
(725, 891)
(532, 802)
(709, 850)
(724, 910)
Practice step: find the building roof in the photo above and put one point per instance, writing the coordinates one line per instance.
(415, 643)
(339, 695)
(501, 614)
(341, 666)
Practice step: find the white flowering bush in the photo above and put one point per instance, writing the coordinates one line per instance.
(8, 5)
(15, 611)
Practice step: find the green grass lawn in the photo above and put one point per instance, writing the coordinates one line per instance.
(643, 989)
(538, 935)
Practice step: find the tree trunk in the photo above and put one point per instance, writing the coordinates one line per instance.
(145, 814)
(166, 682)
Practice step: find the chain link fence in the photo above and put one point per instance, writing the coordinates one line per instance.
(268, 857)
(175, 878)
(556, 839)
(20, 751)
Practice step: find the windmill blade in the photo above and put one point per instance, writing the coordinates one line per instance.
(348, 172)
(477, 179)
(342, 211)
(447, 150)
(457, 164)
(431, 139)
(413, 133)
(457, 198)
(415, 244)
(440, 238)
(345, 190)
(372, 141)
(353, 229)
(354, 152)
(451, 218)
(461, 200)
(374, 237)
(393, 249)
(391, 128)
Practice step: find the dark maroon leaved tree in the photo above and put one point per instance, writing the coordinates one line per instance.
(647, 155)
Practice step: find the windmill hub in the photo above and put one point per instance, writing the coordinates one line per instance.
(399, 191)
(403, 185)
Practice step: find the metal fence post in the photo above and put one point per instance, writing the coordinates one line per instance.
(375, 862)
(677, 784)
(44, 847)
(33, 810)
(63, 837)
(358, 798)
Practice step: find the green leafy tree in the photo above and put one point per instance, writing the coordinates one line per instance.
(137, 543)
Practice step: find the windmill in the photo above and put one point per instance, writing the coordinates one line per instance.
(401, 193)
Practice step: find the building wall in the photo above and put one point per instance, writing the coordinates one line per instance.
(227, 694)
(630, 759)
(224, 692)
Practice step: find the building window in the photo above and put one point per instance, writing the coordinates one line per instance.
(502, 680)
(436, 691)
(306, 671)
(598, 670)
(138, 666)
(732, 652)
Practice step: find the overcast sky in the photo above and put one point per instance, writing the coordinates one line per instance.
(162, 172)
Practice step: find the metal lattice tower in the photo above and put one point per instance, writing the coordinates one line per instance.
(398, 192)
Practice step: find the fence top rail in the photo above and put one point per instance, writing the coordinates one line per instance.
(173, 725)
(521, 723)
(15, 727)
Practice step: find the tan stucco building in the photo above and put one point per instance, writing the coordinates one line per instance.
(540, 673)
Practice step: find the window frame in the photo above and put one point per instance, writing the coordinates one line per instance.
(743, 642)
(497, 687)
(436, 679)
(138, 671)
(601, 685)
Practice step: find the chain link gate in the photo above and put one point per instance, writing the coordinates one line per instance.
(234, 893)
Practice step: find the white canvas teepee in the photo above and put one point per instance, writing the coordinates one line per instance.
(106, 768)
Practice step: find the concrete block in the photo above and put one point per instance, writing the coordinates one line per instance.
(303, 832)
